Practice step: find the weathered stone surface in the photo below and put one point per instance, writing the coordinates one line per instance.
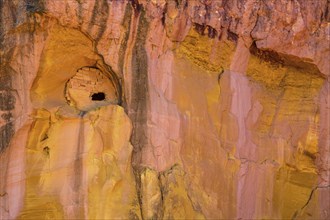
(91, 88)
(225, 109)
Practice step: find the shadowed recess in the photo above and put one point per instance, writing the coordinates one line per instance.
(98, 96)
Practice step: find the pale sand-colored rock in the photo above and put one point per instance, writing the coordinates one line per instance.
(72, 173)
(150, 194)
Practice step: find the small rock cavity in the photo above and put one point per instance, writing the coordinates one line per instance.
(89, 89)
(100, 96)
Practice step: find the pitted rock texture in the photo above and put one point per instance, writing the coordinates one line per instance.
(224, 109)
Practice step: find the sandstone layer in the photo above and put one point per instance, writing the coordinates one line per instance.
(165, 109)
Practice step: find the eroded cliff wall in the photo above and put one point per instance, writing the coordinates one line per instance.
(165, 109)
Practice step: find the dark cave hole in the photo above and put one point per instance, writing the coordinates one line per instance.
(46, 150)
(100, 96)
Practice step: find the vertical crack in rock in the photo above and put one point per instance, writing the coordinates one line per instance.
(6, 133)
(2, 29)
(127, 26)
(7, 102)
(80, 12)
(148, 192)
(300, 211)
(139, 95)
(137, 176)
(99, 18)
(78, 171)
(136, 6)
(161, 208)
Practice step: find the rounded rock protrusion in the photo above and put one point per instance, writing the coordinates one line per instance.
(90, 88)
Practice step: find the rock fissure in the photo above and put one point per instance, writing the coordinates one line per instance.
(299, 212)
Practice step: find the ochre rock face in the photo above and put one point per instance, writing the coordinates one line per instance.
(89, 89)
(160, 109)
